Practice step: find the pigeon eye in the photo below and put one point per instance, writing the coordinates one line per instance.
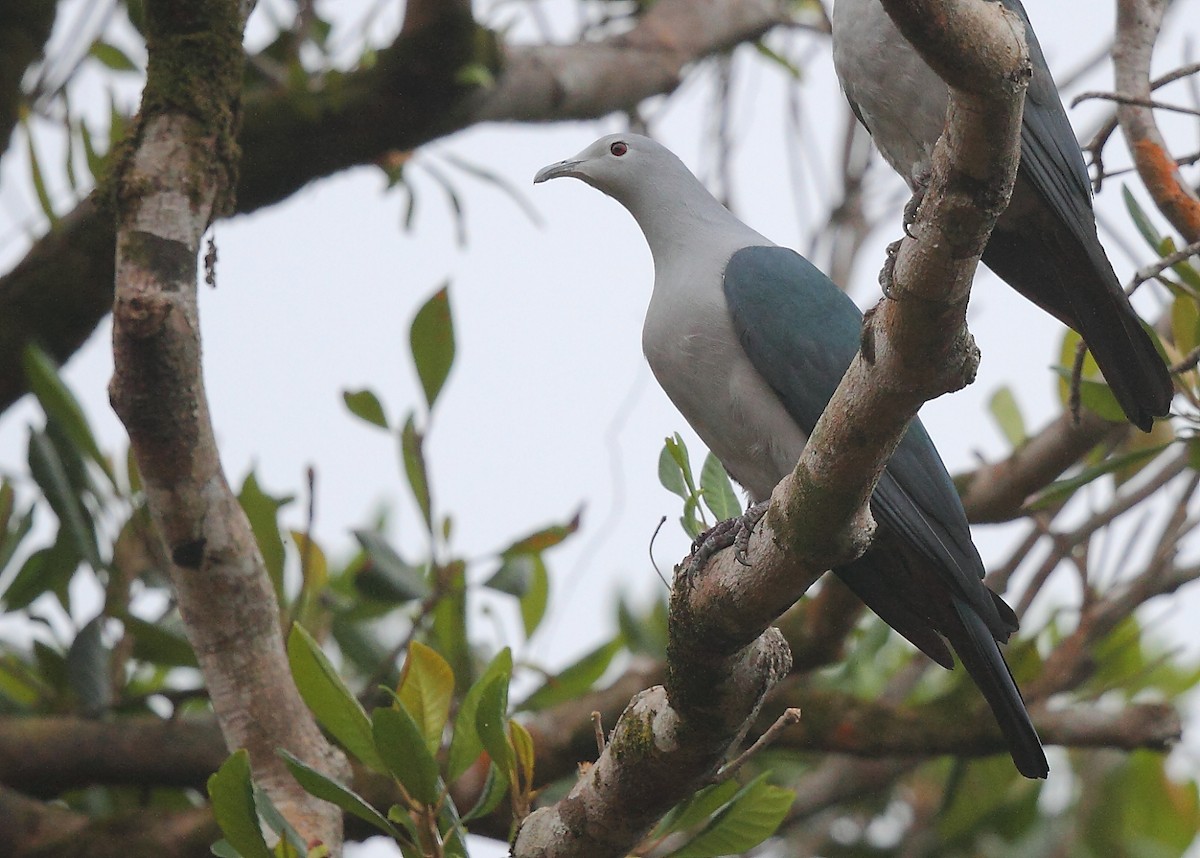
(618, 148)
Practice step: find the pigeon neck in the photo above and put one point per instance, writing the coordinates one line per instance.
(680, 218)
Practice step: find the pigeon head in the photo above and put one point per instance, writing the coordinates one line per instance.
(621, 165)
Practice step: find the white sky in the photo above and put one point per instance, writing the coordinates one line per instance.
(550, 405)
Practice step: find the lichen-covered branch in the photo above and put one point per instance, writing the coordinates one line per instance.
(722, 657)
(174, 177)
(1138, 25)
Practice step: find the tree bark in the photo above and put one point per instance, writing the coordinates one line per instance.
(175, 176)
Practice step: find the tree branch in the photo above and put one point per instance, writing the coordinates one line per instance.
(1138, 25)
(838, 723)
(174, 178)
(997, 492)
(722, 657)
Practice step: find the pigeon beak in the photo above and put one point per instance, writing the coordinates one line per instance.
(555, 171)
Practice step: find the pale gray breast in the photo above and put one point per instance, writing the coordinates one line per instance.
(691, 346)
(900, 99)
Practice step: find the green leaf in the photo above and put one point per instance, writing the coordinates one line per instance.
(402, 748)
(291, 842)
(1159, 438)
(1059, 491)
(514, 575)
(157, 645)
(1141, 220)
(1007, 414)
(95, 160)
(323, 787)
(547, 537)
(432, 341)
(669, 473)
(386, 576)
(533, 603)
(233, 806)
(465, 744)
(39, 180)
(46, 570)
(491, 722)
(365, 405)
(717, 490)
(314, 569)
(449, 630)
(1185, 323)
(61, 405)
(695, 810)
(646, 634)
(753, 815)
(329, 698)
(222, 849)
(263, 512)
(50, 473)
(12, 535)
(412, 451)
(112, 57)
(89, 669)
(494, 789)
(1095, 395)
(476, 75)
(575, 679)
(523, 751)
(426, 690)
(1140, 811)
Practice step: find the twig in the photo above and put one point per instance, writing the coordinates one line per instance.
(1129, 99)
(1152, 270)
(789, 718)
(598, 727)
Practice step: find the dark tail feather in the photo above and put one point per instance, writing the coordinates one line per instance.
(981, 657)
(1131, 365)
(1048, 265)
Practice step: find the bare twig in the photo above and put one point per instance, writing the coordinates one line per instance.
(789, 717)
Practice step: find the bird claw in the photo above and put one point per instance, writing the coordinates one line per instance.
(913, 206)
(747, 521)
(733, 532)
(886, 275)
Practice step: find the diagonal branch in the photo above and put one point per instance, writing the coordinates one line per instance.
(722, 657)
(175, 177)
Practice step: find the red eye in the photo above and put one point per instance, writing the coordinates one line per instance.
(618, 148)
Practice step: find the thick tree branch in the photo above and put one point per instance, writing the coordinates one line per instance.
(1138, 24)
(44, 757)
(61, 290)
(838, 723)
(722, 658)
(176, 176)
(998, 491)
(33, 829)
